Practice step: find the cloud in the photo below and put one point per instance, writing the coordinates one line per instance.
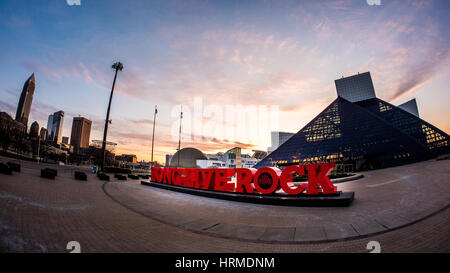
(85, 71)
(288, 45)
(56, 71)
(235, 57)
(142, 122)
(136, 142)
(418, 75)
(7, 107)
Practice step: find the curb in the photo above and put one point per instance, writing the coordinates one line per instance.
(355, 176)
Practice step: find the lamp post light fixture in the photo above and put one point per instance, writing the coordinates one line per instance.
(117, 66)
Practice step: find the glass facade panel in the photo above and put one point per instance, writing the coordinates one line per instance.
(356, 88)
(368, 134)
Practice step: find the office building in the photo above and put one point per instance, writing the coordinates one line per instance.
(57, 127)
(81, 131)
(278, 138)
(34, 129)
(126, 159)
(168, 158)
(49, 128)
(233, 158)
(43, 133)
(26, 98)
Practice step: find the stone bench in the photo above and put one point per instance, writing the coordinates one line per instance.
(15, 167)
(120, 176)
(132, 176)
(5, 169)
(80, 176)
(48, 173)
(103, 176)
(55, 172)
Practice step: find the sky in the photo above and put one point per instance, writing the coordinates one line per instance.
(276, 61)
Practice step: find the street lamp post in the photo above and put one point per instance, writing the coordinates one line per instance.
(153, 136)
(179, 138)
(117, 66)
(39, 150)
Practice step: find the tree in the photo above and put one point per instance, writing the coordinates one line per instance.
(21, 143)
(5, 135)
(62, 157)
(96, 156)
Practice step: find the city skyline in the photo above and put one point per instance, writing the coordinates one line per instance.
(272, 53)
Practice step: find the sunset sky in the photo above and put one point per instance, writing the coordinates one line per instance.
(260, 53)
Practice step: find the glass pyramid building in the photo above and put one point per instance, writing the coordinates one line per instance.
(362, 131)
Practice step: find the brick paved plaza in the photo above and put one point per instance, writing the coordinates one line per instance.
(405, 209)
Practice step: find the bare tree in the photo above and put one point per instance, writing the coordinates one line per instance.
(5, 136)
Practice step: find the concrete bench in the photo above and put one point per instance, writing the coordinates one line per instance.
(48, 173)
(80, 176)
(103, 176)
(15, 167)
(5, 169)
(55, 172)
(132, 176)
(120, 176)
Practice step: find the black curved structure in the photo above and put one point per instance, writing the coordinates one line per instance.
(339, 199)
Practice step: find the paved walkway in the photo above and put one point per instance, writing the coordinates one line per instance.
(403, 208)
(385, 200)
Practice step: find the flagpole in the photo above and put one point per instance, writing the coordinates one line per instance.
(179, 137)
(153, 136)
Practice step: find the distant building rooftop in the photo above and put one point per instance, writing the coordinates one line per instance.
(355, 88)
(411, 107)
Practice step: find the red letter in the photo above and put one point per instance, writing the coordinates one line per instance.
(183, 177)
(188, 180)
(286, 180)
(222, 177)
(177, 176)
(157, 174)
(194, 179)
(267, 175)
(206, 177)
(167, 176)
(244, 178)
(317, 175)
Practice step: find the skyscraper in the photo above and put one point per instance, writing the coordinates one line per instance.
(34, 129)
(50, 127)
(81, 131)
(57, 126)
(43, 133)
(26, 98)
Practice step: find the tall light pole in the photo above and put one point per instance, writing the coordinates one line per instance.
(153, 137)
(39, 149)
(117, 66)
(179, 138)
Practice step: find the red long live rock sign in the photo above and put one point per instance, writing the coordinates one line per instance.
(266, 180)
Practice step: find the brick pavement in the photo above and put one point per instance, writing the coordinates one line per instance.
(39, 215)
